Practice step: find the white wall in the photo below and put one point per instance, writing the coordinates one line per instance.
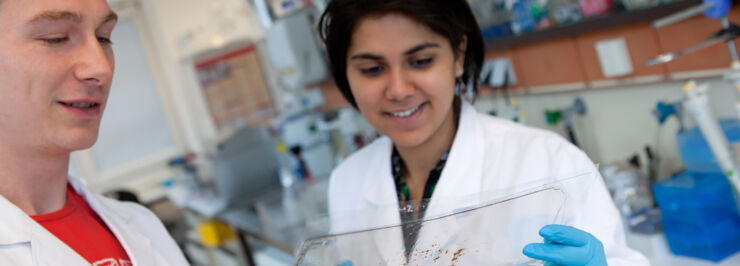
(619, 121)
(181, 28)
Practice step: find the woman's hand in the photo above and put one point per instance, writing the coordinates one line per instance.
(566, 245)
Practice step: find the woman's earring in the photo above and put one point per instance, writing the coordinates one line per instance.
(459, 84)
(469, 91)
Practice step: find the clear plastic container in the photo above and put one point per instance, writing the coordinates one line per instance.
(565, 11)
(493, 232)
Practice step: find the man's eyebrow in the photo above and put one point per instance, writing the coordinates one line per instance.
(56, 15)
(112, 16)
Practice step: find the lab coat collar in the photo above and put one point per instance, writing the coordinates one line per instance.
(380, 193)
(20, 229)
(460, 184)
(16, 227)
(137, 246)
(462, 178)
(378, 182)
(462, 174)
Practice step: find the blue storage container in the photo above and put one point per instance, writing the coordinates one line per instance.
(712, 243)
(695, 152)
(700, 218)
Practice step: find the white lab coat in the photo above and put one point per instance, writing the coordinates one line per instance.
(142, 235)
(488, 154)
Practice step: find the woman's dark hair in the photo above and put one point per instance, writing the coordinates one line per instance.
(452, 19)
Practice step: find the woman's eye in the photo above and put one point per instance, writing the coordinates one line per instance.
(420, 63)
(372, 71)
(55, 40)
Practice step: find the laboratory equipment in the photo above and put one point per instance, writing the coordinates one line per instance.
(464, 235)
(565, 11)
(698, 105)
(499, 73)
(699, 215)
(639, 4)
(664, 110)
(492, 17)
(724, 35)
(628, 187)
(302, 132)
(716, 9)
(245, 165)
(696, 154)
(522, 20)
(592, 8)
(697, 102)
(566, 115)
(294, 50)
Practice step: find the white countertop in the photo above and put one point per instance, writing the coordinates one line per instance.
(655, 247)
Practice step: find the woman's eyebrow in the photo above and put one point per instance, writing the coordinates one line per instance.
(414, 49)
(420, 47)
(366, 56)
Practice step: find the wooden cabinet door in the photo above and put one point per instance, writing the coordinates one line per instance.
(548, 63)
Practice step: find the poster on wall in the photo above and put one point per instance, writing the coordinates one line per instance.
(235, 88)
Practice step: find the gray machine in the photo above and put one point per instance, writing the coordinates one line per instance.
(245, 166)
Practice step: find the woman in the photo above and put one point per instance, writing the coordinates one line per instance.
(404, 64)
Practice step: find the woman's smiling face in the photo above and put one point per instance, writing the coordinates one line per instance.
(402, 76)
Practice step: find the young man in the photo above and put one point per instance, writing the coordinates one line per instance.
(56, 67)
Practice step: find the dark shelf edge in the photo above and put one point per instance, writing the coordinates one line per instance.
(589, 25)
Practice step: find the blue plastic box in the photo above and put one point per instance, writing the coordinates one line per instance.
(695, 153)
(714, 243)
(700, 218)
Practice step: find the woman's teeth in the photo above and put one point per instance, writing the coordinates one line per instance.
(81, 105)
(406, 113)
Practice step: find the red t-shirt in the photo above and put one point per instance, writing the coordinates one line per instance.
(81, 228)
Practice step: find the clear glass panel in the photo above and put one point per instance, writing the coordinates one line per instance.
(491, 233)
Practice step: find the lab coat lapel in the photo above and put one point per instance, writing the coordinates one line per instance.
(460, 184)
(380, 195)
(137, 246)
(462, 178)
(46, 249)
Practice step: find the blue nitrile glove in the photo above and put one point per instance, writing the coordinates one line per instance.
(566, 245)
(346, 263)
(719, 8)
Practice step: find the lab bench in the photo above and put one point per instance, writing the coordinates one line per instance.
(281, 218)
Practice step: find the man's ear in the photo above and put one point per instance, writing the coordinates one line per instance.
(460, 57)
